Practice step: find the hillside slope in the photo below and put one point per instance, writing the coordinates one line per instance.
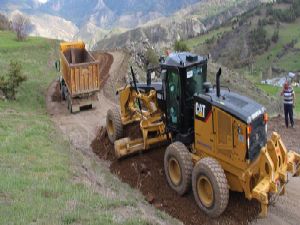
(261, 42)
(186, 23)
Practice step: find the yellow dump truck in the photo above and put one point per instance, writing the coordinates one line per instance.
(80, 79)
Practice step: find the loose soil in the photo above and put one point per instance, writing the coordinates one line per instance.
(290, 136)
(145, 171)
(56, 96)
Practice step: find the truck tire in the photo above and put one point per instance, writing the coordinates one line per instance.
(69, 104)
(210, 187)
(63, 91)
(178, 167)
(114, 126)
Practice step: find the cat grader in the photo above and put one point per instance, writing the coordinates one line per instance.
(217, 138)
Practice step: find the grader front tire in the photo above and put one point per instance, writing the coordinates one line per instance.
(178, 167)
(114, 126)
(210, 187)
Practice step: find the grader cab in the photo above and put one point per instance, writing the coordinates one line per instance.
(217, 138)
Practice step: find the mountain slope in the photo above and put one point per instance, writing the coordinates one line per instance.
(186, 23)
(264, 42)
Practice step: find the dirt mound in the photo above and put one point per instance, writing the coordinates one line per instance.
(102, 146)
(56, 96)
(145, 171)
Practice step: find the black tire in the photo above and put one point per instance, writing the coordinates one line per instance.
(114, 126)
(63, 92)
(210, 187)
(178, 167)
(69, 104)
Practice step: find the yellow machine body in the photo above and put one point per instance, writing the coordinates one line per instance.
(266, 174)
(220, 139)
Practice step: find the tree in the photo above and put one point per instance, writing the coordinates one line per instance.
(21, 25)
(4, 23)
(151, 57)
(180, 46)
(10, 82)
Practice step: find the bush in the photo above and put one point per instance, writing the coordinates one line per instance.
(258, 40)
(151, 57)
(10, 82)
(180, 46)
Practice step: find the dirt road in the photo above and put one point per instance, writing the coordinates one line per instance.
(80, 130)
(145, 171)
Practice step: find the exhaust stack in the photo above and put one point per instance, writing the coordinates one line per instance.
(218, 82)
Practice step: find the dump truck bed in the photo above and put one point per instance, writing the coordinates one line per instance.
(79, 69)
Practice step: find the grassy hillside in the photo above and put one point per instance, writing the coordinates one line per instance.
(37, 172)
(246, 41)
(259, 44)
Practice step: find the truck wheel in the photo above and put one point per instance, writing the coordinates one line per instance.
(210, 187)
(114, 126)
(63, 92)
(69, 104)
(178, 167)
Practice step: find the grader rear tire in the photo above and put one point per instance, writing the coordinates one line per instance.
(178, 167)
(210, 187)
(114, 126)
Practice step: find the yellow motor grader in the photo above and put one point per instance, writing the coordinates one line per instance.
(217, 138)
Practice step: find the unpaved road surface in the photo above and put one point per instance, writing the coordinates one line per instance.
(81, 128)
(287, 209)
(145, 171)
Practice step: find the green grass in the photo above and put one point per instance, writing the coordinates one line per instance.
(288, 62)
(36, 164)
(194, 42)
(8, 41)
(275, 91)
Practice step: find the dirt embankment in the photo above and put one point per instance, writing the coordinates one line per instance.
(145, 171)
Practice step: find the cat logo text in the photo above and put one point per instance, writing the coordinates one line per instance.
(200, 110)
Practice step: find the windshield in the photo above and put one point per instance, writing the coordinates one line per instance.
(195, 77)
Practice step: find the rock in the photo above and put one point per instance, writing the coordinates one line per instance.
(143, 168)
(150, 198)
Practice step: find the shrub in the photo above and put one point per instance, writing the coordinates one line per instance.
(151, 57)
(180, 46)
(258, 40)
(10, 82)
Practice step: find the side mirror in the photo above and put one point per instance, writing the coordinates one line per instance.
(57, 65)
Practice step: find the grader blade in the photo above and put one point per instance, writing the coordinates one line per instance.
(275, 163)
(125, 146)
